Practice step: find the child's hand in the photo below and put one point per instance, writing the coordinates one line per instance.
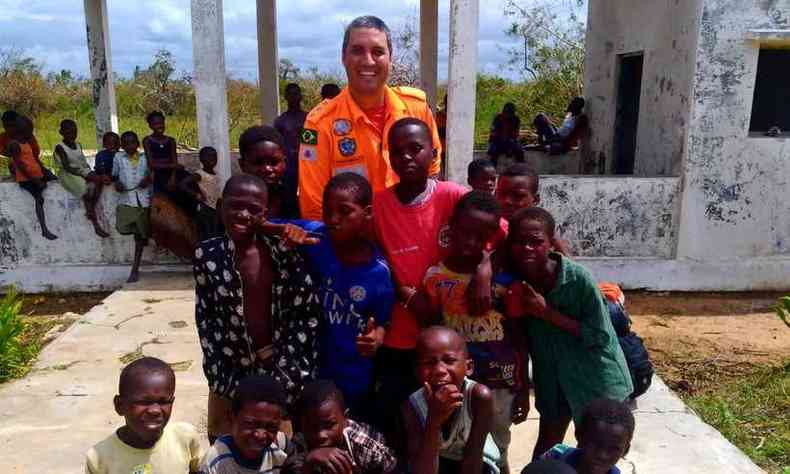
(533, 302)
(295, 235)
(443, 403)
(369, 341)
(330, 460)
(521, 407)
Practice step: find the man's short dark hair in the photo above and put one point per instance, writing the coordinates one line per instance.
(480, 201)
(9, 117)
(357, 184)
(243, 179)
(367, 21)
(258, 388)
(477, 166)
(141, 367)
(608, 411)
(330, 90)
(533, 214)
(522, 169)
(317, 393)
(259, 133)
(548, 466)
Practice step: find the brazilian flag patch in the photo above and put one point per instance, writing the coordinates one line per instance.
(308, 137)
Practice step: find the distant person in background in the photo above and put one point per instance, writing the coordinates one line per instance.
(290, 124)
(562, 139)
(28, 171)
(102, 165)
(441, 126)
(76, 175)
(203, 186)
(503, 139)
(162, 153)
(9, 120)
(481, 175)
(132, 178)
(329, 91)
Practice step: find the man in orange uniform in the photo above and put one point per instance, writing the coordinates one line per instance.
(349, 132)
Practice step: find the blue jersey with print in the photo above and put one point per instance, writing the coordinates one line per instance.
(350, 295)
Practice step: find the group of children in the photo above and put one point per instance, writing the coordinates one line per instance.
(395, 335)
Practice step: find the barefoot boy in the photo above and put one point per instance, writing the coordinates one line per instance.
(575, 354)
(255, 443)
(331, 442)
(448, 421)
(257, 311)
(133, 182)
(146, 442)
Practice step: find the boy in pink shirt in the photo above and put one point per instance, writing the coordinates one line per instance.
(411, 220)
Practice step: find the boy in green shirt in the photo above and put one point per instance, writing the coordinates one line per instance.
(576, 357)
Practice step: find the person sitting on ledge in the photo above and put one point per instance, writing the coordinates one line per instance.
(563, 139)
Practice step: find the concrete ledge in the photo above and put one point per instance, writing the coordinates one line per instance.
(66, 278)
(755, 274)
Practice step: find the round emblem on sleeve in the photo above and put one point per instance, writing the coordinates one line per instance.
(357, 293)
(347, 146)
(341, 127)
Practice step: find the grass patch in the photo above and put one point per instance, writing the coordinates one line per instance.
(753, 412)
(19, 344)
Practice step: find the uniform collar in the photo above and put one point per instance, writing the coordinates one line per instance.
(394, 104)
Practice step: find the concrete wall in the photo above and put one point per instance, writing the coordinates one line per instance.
(667, 31)
(735, 204)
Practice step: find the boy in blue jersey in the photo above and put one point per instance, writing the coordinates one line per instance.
(356, 289)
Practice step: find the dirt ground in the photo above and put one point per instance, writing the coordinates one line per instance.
(700, 340)
(50, 314)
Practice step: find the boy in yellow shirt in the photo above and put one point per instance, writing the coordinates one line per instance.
(146, 444)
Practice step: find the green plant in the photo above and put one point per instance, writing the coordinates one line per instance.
(15, 355)
(782, 308)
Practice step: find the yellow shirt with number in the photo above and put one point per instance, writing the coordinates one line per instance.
(176, 452)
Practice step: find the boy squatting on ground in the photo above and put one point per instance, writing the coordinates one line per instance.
(27, 169)
(76, 176)
(257, 310)
(495, 344)
(447, 422)
(133, 182)
(330, 442)
(575, 354)
(255, 443)
(356, 290)
(146, 443)
(604, 436)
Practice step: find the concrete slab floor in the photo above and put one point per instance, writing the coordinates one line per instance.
(52, 416)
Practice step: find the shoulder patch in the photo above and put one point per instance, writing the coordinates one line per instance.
(323, 109)
(308, 136)
(411, 92)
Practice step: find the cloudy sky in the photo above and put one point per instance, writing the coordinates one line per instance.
(310, 32)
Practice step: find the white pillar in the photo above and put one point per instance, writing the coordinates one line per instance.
(429, 48)
(461, 87)
(208, 54)
(99, 57)
(268, 67)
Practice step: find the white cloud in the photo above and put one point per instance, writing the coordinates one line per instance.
(310, 32)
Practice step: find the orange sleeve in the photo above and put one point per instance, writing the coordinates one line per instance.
(315, 169)
(35, 147)
(436, 166)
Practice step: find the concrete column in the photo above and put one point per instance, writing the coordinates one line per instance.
(268, 67)
(429, 48)
(99, 57)
(208, 54)
(461, 87)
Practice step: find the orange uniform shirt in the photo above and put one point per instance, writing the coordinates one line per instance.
(339, 137)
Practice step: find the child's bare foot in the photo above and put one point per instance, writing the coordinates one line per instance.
(49, 235)
(133, 277)
(100, 232)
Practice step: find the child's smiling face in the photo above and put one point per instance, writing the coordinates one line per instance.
(265, 160)
(603, 446)
(442, 358)
(255, 428)
(323, 425)
(516, 192)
